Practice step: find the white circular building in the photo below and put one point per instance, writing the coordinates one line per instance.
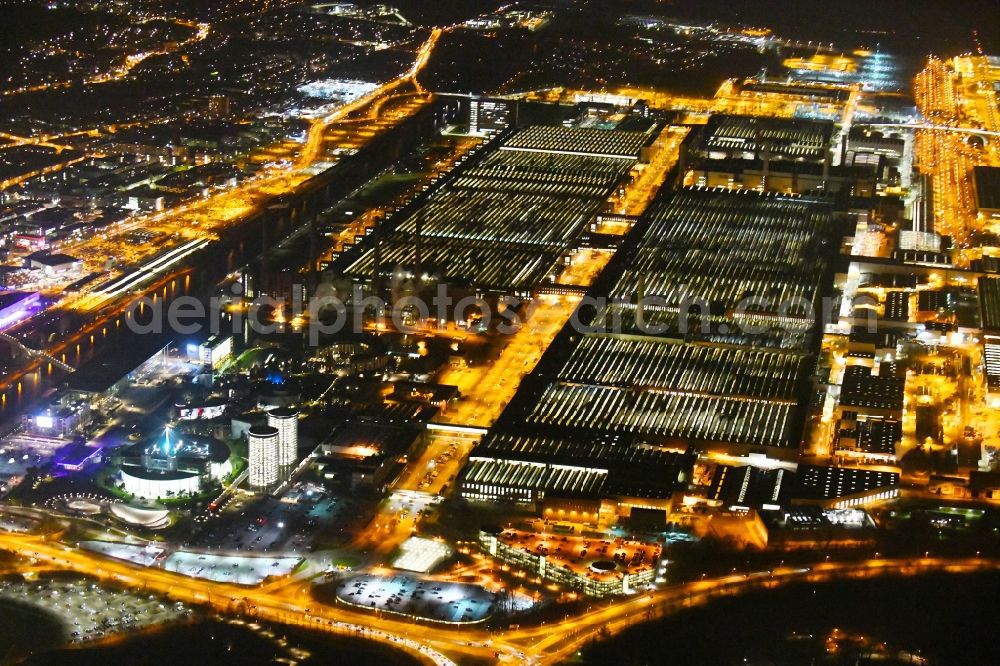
(177, 464)
(140, 515)
(263, 440)
(286, 421)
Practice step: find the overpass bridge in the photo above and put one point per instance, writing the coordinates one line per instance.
(25, 350)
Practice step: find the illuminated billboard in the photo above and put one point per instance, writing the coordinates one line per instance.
(195, 413)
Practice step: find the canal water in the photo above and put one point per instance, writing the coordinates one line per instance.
(941, 618)
(25, 628)
(217, 642)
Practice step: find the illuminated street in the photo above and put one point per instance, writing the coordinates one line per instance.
(541, 645)
(519, 333)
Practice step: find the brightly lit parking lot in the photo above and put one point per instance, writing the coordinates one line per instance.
(420, 555)
(230, 568)
(91, 612)
(428, 599)
(600, 560)
(269, 525)
(136, 554)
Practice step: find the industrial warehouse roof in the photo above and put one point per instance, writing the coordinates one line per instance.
(932, 300)
(751, 259)
(577, 467)
(826, 93)
(667, 415)
(863, 389)
(987, 184)
(816, 482)
(718, 386)
(750, 486)
(368, 438)
(991, 359)
(518, 474)
(673, 390)
(101, 373)
(503, 222)
(673, 365)
(783, 138)
(879, 436)
(52, 259)
(897, 306)
(989, 302)
(580, 141)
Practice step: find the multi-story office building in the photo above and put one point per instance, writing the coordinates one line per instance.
(263, 455)
(286, 421)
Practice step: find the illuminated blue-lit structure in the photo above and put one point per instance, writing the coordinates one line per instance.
(173, 464)
(278, 390)
(17, 305)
